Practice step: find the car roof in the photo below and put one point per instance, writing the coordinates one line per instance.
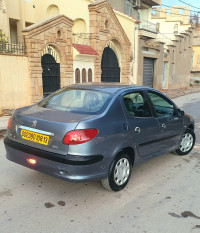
(108, 87)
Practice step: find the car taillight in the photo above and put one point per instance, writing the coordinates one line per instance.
(31, 161)
(79, 136)
(9, 123)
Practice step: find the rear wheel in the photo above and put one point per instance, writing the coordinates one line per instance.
(187, 142)
(119, 173)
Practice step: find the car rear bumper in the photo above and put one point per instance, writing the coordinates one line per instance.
(70, 167)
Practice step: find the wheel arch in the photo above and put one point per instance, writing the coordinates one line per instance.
(130, 151)
(191, 126)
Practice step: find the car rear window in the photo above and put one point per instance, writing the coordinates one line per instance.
(77, 101)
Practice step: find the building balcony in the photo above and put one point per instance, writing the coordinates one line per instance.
(152, 2)
(147, 29)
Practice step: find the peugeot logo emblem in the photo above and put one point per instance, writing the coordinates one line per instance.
(34, 123)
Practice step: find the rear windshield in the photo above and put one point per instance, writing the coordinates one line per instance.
(77, 101)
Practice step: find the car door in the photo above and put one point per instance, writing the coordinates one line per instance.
(171, 124)
(144, 127)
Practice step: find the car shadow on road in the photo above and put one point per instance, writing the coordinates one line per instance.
(143, 177)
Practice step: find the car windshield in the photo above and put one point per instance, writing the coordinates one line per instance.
(77, 101)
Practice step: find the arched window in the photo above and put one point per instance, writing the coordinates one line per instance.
(79, 32)
(84, 75)
(79, 26)
(77, 76)
(176, 28)
(157, 27)
(90, 75)
(52, 10)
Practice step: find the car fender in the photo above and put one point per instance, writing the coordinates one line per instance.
(121, 147)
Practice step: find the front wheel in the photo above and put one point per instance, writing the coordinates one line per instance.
(119, 173)
(187, 142)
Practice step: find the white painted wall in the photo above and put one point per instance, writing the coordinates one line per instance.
(167, 27)
(84, 62)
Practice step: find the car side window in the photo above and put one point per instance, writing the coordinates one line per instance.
(137, 105)
(162, 107)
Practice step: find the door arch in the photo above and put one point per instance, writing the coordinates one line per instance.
(50, 74)
(110, 66)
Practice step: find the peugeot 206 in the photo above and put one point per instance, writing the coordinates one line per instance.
(97, 132)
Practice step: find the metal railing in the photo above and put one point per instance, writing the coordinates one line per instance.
(81, 38)
(11, 48)
(18, 49)
(148, 26)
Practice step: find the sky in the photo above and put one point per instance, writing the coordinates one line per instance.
(195, 3)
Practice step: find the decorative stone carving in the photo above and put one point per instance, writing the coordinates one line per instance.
(105, 25)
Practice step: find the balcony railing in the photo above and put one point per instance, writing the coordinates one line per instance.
(81, 38)
(148, 26)
(6, 46)
(18, 49)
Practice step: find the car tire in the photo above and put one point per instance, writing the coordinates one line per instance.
(119, 173)
(187, 143)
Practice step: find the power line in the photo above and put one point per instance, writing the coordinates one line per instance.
(165, 36)
(171, 13)
(176, 7)
(188, 4)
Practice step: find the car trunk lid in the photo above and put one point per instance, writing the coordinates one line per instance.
(44, 128)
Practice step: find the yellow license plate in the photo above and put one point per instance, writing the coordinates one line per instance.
(34, 137)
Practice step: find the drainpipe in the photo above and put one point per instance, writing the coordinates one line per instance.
(135, 57)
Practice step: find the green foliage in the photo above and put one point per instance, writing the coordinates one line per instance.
(197, 81)
(3, 37)
(191, 84)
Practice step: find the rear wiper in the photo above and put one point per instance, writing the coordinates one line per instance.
(71, 102)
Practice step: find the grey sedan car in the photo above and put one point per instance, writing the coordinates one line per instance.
(97, 132)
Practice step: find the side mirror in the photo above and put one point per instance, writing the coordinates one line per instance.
(180, 112)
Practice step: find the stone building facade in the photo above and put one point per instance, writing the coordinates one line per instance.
(196, 52)
(108, 32)
(55, 33)
(176, 33)
(99, 41)
(75, 50)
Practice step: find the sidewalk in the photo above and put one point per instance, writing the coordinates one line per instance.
(174, 93)
(4, 122)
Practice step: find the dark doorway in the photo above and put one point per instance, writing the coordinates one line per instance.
(90, 75)
(83, 75)
(109, 66)
(50, 74)
(77, 75)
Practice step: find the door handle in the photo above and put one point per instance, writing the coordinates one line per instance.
(125, 126)
(137, 129)
(163, 126)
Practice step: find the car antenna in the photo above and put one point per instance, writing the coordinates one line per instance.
(127, 78)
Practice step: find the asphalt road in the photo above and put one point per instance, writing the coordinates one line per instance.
(163, 195)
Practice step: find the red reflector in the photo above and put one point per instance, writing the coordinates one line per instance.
(32, 161)
(79, 136)
(9, 123)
